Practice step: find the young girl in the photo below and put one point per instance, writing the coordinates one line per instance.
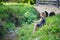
(40, 22)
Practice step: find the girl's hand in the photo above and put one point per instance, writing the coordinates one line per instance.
(35, 21)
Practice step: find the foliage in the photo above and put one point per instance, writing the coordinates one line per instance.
(50, 31)
(20, 1)
(15, 16)
(23, 14)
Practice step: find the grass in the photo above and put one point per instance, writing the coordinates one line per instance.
(50, 31)
(25, 13)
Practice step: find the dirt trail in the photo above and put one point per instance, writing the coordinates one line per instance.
(48, 8)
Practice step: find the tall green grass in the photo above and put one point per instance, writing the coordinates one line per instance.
(25, 13)
(50, 31)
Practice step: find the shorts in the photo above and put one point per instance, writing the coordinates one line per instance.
(39, 25)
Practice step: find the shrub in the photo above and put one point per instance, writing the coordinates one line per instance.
(50, 31)
(15, 15)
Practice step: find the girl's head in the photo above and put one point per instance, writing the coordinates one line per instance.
(43, 14)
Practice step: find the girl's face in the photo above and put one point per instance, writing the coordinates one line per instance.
(42, 14)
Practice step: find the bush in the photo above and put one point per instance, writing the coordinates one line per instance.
(24, 13)
(50, 31)
(16, 15)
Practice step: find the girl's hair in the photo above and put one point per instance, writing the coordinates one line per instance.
(46, 13)
(43, 14)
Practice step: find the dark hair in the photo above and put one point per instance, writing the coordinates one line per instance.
(46, 13)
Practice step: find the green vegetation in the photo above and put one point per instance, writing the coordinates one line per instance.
(12, 16)
(50, 31)
(22, 16)
(19, 1)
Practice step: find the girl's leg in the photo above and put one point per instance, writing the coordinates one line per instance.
(35, 27)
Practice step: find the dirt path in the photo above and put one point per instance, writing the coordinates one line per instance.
(48, 8)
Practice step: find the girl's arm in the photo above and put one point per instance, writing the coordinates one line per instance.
(38, 20)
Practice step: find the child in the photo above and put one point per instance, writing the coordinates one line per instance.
(40, 22)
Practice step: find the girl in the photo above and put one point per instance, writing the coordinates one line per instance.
(40, 22)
